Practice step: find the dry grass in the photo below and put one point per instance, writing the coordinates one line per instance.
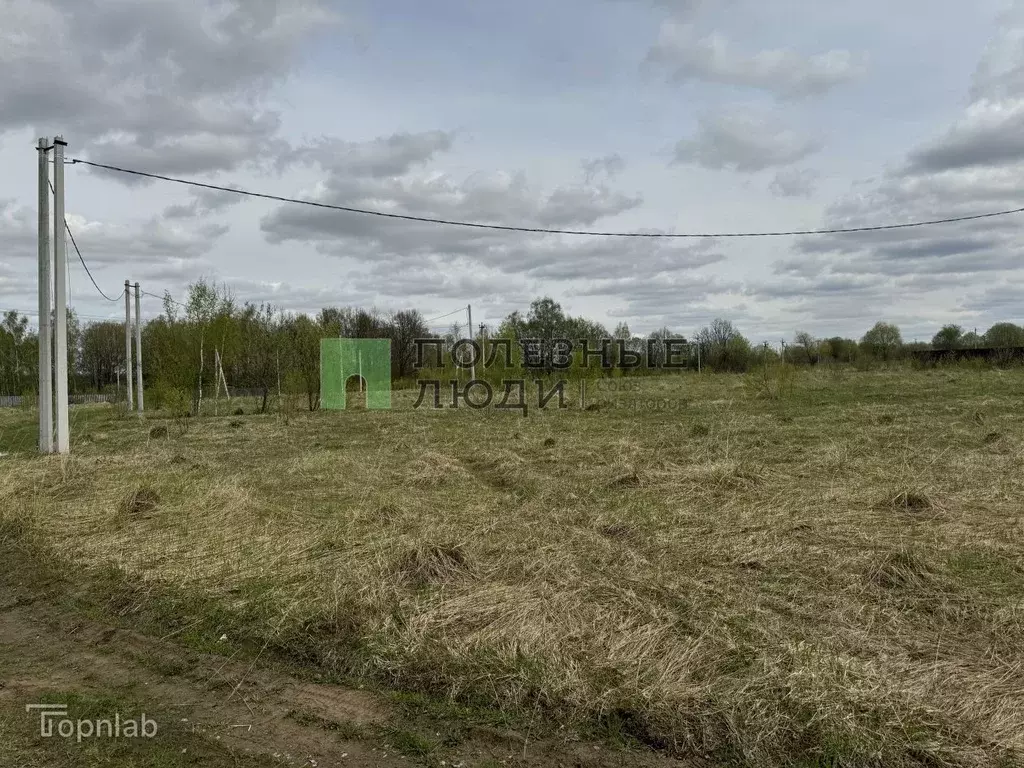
(830, 576)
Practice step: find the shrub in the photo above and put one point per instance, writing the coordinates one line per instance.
(771, 382)
(172, 399)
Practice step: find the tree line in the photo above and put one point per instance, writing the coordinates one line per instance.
(268, 351)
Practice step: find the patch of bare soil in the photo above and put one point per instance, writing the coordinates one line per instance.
(249, 706)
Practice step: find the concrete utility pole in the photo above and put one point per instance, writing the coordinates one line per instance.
(128, 343)
(138, 350)
(45, 281)
(472, 367)
(60, 300)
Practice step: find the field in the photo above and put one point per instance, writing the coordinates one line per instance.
(823, 572)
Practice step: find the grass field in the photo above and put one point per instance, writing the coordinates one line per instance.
(830, 576)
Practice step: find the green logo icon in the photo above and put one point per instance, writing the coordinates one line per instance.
(343, 359)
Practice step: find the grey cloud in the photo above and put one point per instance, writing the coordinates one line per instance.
(152, 242)
(974, 169)
(794, 182)
(385, 156)
(147, 243)
(816, 287)
(18, 231)
(801, 266)
(745, 141)
(163, 84)
(950, 266)
(997, 302)
(601, 259)
(296, 298)
(660, 295)
(493, 198)
(678, 8)
(1000, 72)
(456, 263)
(430, 279)
(573, 205)
(609, 165)
(171, 272)
(15, 284)
(205, 202)
(785, 73)
(992, 134)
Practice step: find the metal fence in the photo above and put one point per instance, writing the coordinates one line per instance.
(16, 401)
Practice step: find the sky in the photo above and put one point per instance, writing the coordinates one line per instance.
(668, 116)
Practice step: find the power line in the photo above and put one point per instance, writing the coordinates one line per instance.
(165, 297)
(35, 313)
(86, 266)
(541, 230)
(442, 317)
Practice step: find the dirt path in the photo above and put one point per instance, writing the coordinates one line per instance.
(245, 709)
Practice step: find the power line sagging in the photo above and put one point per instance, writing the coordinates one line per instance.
(541, 230)
(71, 235)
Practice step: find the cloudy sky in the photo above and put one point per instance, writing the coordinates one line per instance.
(675, 116)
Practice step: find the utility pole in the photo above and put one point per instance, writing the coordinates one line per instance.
(138, 350)
(128, 343)
(472, 367)
(60, 299)
(483, 344)
(45, 281)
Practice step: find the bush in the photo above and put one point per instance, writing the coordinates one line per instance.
(172, 399)
(771, 382)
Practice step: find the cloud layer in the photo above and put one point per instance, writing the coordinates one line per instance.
(750, 121)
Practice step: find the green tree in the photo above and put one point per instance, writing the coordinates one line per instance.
(723, 348)
(1002, 335)
(971, 340)
(884, 341)
(839, 349)
(19, 351)
(102, 354)
(403, 329)
(805, 348)
(950, 337)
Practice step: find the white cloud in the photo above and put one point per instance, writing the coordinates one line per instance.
(686, 56)
(794, 182)
(508, 123)
(744, 140)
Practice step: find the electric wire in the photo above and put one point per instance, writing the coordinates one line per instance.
(442, 317)
(81, 259)
(542, 230)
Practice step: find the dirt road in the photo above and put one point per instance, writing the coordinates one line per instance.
(215, 710)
